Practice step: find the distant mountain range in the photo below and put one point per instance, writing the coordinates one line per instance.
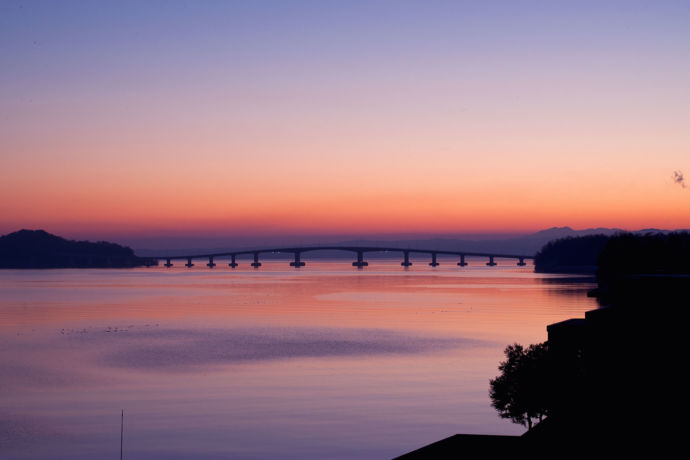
(519, 244)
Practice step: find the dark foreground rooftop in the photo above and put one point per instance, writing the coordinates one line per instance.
(465, 445)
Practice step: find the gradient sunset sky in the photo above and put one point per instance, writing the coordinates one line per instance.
(130, 119)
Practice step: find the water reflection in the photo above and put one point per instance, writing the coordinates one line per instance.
(189, 349)
(319, 362)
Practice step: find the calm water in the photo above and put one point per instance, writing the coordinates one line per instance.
(322, 362)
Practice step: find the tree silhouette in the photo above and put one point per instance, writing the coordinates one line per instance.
(520, 393)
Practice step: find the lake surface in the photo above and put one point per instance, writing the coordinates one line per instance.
(322, 362)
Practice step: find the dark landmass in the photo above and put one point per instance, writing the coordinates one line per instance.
(658, 254)
(613, 378)
(40, 249)
(654, 261)
(654, 252)
(571, 254)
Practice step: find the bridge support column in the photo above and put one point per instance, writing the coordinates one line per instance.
(433, 262)
(406, 262)
(256, 263)
(168, 263)
(297, 263)
(522, 262)
(210, 263)
(491, 262)
(462, 262)
(189, 263)
(360, 263)
(232, 263)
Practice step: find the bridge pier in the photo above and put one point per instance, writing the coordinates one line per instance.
(232, 264)
(360, 263)
(168, 263)
(491, 262)
(433, 262)
(256, 263)
(297, 263)
(522, 262)
(406, 262)
(210, 263)
(462, 262)
(189, 263)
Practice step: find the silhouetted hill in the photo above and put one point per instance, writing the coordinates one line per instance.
(651, 254)
(571, 254)
(629, 261)
(40, 249)
(655, 252)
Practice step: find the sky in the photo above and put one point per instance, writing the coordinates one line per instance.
(150, 119)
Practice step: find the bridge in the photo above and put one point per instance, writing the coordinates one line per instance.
(359, 251)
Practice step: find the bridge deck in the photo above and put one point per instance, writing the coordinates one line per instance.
(355, 249)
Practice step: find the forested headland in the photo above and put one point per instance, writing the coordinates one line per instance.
(616, 255)
(40, 249)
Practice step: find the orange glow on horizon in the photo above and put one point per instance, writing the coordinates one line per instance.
(437, 139)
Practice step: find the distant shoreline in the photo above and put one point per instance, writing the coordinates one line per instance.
(38, 249)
